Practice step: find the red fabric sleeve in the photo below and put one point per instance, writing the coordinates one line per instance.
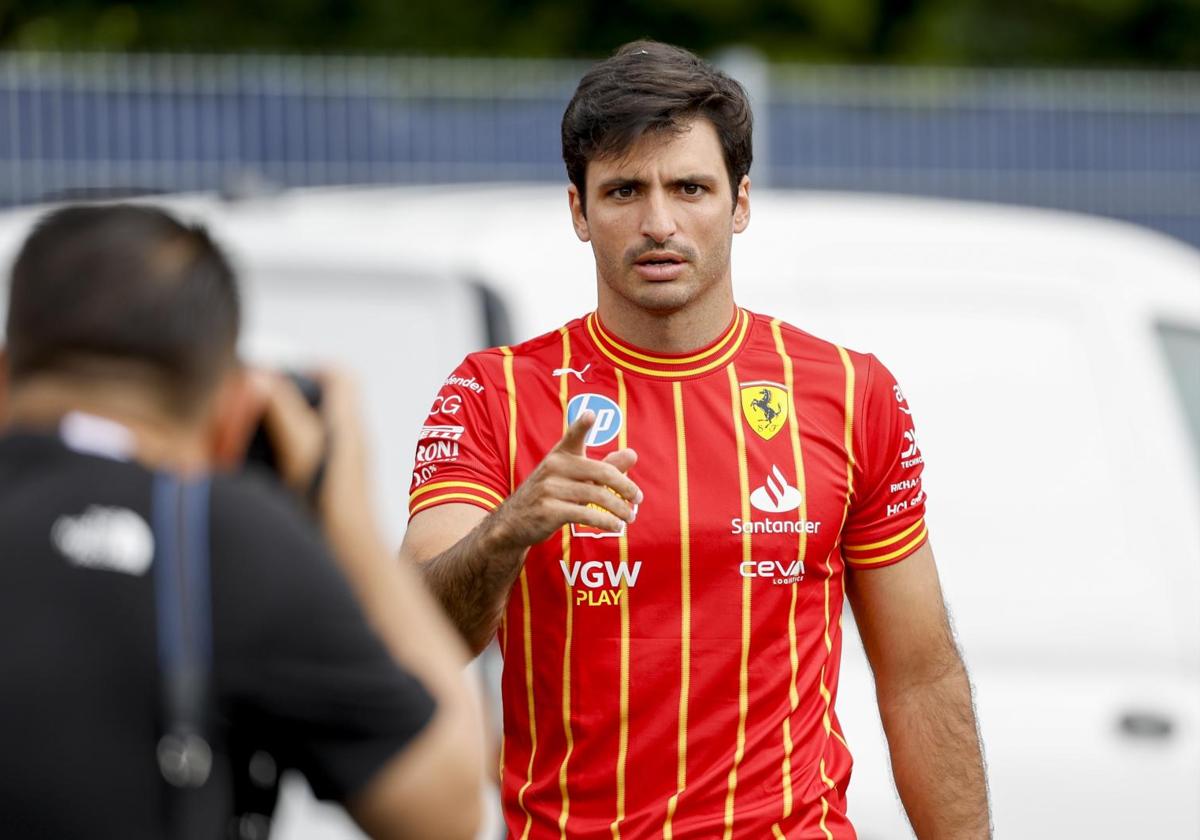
(461, 452)
(886, 522)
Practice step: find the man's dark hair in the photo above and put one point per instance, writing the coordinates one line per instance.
(647, 86)
(123, 290)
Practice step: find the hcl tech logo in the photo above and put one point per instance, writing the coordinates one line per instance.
(608, 417)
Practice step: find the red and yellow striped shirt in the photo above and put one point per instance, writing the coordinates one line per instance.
(678, 679)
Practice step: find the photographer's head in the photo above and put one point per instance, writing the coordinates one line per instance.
(123, 311)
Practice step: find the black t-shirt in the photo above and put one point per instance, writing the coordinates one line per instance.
(295, 669)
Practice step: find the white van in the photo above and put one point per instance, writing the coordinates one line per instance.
(1053, 364)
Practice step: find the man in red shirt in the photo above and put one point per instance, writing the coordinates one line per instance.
(660, 505)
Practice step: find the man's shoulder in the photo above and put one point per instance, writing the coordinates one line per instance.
(796, 341)
(800, 343)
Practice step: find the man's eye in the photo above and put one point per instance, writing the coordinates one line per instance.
(692, 189)
(623, 192)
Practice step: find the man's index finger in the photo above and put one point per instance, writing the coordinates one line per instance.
(573, 440)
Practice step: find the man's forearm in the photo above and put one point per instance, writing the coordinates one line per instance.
(472, 579)
(937, 758)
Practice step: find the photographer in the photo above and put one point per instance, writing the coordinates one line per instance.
(163, 619)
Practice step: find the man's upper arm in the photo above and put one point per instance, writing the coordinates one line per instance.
(902, 620)
(435, 529)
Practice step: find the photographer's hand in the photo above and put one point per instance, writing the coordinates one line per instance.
(299, 438)
(393, 597)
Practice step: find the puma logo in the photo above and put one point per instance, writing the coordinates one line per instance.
(578, 374)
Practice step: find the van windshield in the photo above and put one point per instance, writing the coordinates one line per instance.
(1182, 345)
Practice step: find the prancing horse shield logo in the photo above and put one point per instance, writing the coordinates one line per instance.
(765, 405)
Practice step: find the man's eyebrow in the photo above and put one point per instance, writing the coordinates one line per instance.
(617, 183)
(703, 180)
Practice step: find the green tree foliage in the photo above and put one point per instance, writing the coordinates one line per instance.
(1152, 33)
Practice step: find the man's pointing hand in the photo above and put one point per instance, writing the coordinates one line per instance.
(566, 487)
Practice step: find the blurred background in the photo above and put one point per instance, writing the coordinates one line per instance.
(912, 159)
(1077, 104)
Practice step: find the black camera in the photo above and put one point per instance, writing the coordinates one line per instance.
(261, 452)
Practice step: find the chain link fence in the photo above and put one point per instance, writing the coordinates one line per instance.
(1125, 145)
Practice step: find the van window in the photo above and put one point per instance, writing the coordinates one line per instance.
(1182, 346)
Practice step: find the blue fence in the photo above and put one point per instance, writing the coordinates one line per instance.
(1123, 145)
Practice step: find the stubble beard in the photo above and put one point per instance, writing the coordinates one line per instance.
(664, 297)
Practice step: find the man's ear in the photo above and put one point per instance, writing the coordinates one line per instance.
(578, 214)
(237, 408)
(741, 206)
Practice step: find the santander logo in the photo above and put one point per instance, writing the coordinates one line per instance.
(776, 496)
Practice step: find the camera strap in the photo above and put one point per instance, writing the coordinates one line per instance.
(183, 608)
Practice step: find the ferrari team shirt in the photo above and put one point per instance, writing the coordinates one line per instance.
(677, 679)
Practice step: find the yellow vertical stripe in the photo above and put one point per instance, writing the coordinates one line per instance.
(848, 445)
(510, 386)
(564, 813)
(849, 366)
(826, 695)
(824, 814)
(785, 769)
(529, 698)
(500, 760)
(801, 553)
(623, 557)
(504, 615)
(504, 656)
(825, 776)
(744, 671)
(685, 607)
(848, 412)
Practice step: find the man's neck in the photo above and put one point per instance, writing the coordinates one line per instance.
(670, 333)
(159, 440)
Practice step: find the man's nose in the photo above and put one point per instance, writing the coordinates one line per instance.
(658, 223)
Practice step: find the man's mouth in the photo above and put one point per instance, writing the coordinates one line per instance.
(659, 258)
(659, 265)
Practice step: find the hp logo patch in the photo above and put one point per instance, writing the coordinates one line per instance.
(608, 417)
